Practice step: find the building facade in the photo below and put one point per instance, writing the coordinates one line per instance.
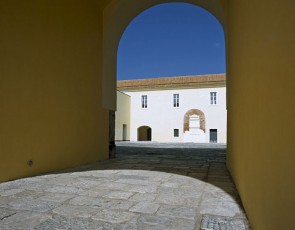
(177, 109)
(122, 120)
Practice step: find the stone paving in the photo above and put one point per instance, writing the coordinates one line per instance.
(148, 186)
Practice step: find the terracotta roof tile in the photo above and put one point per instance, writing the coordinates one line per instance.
(201, 81)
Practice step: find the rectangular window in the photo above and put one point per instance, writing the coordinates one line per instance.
(176, 132)
(213, 98)
(144, 101)
(175, 100)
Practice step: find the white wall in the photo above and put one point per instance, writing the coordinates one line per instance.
(163, 118)
(122, 116)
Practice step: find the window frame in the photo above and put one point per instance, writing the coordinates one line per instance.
(176, 100)
(143, 101)
(213, 98)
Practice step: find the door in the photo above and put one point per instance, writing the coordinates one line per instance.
(144, 133)
(213, 135)
(124, 132)
(149, 134)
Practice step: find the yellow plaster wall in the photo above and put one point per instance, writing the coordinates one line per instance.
(122, 116)
(50, 86)
(261, 83)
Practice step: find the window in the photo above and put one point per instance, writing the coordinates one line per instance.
(176, 132)
(144, 101)
(213, 96)
(175, 100)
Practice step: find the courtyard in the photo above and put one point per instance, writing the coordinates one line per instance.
(147, 186)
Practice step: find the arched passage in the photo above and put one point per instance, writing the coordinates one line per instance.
(60, 48)
(245, 145)
(141, 33)
(117, 15)
(144, 133)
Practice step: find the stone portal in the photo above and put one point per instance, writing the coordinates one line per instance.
(195, 134)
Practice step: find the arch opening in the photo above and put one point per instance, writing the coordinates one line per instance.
(144, 133)
(194, 126)
(190, 113)
(172, 124)
(117, 16)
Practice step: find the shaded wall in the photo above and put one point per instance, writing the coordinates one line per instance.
(50, 86)
(261, 83)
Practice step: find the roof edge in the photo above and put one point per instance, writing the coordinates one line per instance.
(172, 82)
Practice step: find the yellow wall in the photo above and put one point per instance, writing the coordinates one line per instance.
(122, 116)
(261, 83)
(58, 73)
(50, 86)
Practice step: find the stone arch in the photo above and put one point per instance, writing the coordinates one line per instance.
(194, 112)
(116, 17)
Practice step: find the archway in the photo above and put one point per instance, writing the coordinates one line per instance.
(117, 16)
(194, 112)
(194, 41)
(144, 133)
(194, 126)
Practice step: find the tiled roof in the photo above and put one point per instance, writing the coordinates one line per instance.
(199, 81)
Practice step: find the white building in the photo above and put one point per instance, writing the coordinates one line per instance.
(177, 109)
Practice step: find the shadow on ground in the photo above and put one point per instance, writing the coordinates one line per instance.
(147, 186)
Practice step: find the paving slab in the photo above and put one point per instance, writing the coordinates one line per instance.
(63, 222)
(145, 207)
(5, 213)
(23, 220)
(119, 195)
(153, 222)
(148, 186)
(114, 216)
(143, 197)
(32, 205)
(178, 212)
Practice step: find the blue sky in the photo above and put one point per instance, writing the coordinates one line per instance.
(173, 39)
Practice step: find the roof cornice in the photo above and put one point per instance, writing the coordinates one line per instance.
(180, 82)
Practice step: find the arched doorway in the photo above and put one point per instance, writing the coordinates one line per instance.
(194, 112)
(117, 16)
(194, 126)
(138, 59)
(144, 133)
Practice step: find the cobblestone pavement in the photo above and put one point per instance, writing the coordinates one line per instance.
(148, 186)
